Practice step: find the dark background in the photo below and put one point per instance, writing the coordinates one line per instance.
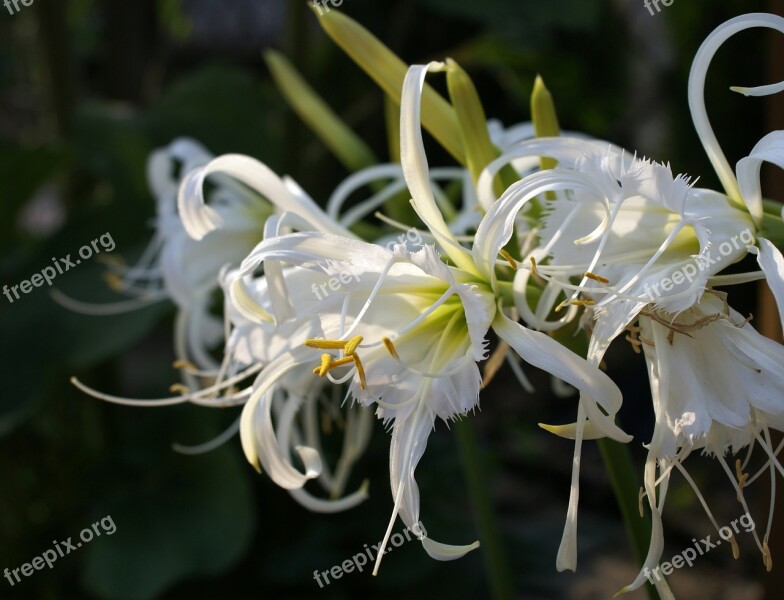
(88, 88)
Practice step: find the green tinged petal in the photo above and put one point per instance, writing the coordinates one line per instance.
(388, 71)
(392, 121)
(544, 117)
(480, 151)
(346, 145)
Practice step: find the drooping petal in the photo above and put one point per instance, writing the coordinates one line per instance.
(415, 167)
(772, 264)
(542, 351)
(768, 149)
(199, 218)
(257, 433)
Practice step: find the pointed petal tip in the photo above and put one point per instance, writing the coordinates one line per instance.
(569, 431)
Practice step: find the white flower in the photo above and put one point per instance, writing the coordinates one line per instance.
(716, 383)
(717, 386)
(407, 332)
(618, 226)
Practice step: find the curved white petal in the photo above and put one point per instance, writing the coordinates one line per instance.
(768, 149)
(257, 433)
(566, 149)
(772, 264)
(544, 352)
(497, 227)
(699, 70)
(415, 167)
(200, 218)
(409, 439)
(161, 176)
(320, 505)
(760, 90)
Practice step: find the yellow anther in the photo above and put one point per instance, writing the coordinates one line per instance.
(111, 260)
(508, 258)
(326, 344)
(360, 371)
(533, 266)
(390, 347)
(321, 370)
(735, 549)
(596, 277)
(583, 302)
(114, 281)
(179, 388)
(742, 477)
(351, 346)
(766, 557)
(346, 360)
(184, 364)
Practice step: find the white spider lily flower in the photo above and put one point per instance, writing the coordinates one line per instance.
(716, 385)
(716, 382)
(262, 340)
(407, 333)
(632, 235)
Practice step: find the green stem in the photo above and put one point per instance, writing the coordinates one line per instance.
(623, 476)
(492, 550)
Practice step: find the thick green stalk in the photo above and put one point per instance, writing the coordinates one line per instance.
(493, 555)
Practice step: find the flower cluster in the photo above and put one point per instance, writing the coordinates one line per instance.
(551, 231)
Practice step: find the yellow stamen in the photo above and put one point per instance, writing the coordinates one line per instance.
(178, 387)
(184, 364)
(508, 258)
(326, 344)
(360, 371)
(583, 302)
(742, 477)
(110, 260)
(341, 362)
(766, 557)
(390, 347)
(735, 549)
(326, 359)
(533, 266)
(596, 277)
(114, 281)
(351, 346)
